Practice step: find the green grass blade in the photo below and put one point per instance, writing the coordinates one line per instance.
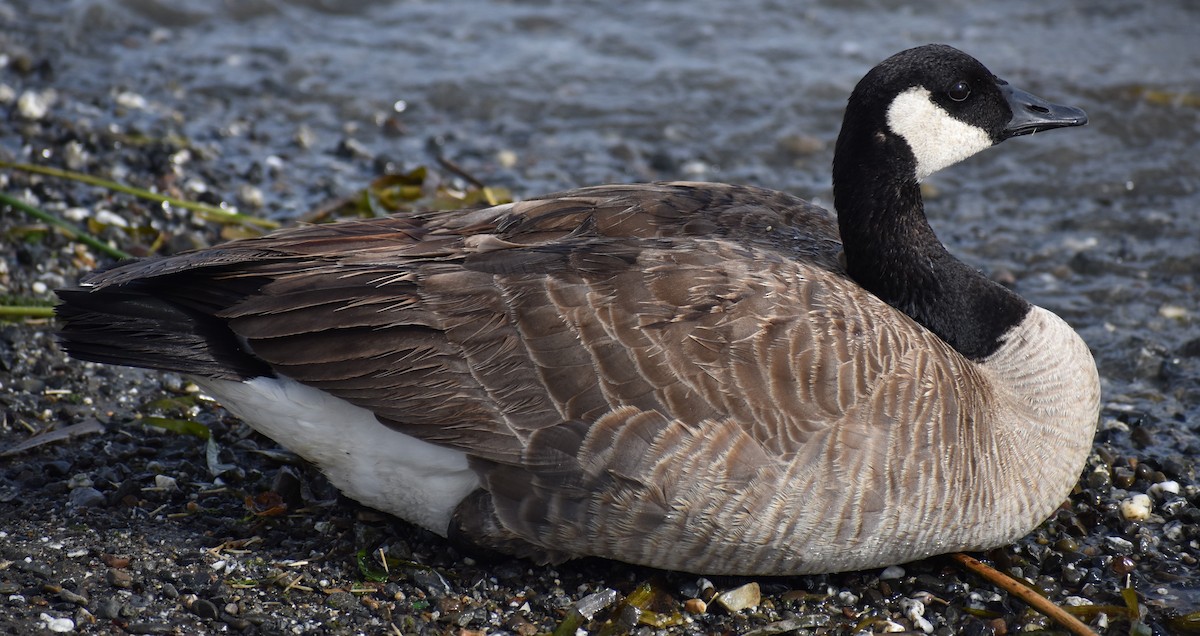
(25, 311)
(207, 212)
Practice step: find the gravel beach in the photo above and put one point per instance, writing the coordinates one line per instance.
(131, 503)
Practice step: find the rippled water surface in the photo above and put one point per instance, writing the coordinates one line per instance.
(1100, 224)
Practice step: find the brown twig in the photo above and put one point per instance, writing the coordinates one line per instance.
(1024, 593)
(460, 171)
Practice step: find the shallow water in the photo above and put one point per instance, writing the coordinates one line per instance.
(1100, 225)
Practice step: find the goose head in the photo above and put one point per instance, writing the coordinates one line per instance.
(929, 107)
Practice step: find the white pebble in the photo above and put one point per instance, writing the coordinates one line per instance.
(108, 217)
(7, 94)
(506, 158)
(38, 287)
(75, 155)
(891, 572)
(914, 610)
(59, 625)
(77, 214)
(35, 105)
(1136, 508)
(1168, 487)
(251, 196)
(694, 168)
(912, 607)
(165, 482)
(129, 99)
(1119, 545)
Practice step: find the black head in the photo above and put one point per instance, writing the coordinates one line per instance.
(945, 106)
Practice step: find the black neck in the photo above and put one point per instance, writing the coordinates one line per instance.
(893, 253)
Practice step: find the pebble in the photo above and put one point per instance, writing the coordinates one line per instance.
(76, 156)
(338, 600)
(914, 610)
(351, 148)
(1136, 508)
(87, 497)
(433, 582)
(1174, 312)
(35, 105)
(131, 100)
(589, 605)
(119, 578)
(1123, 565)
(740, 598)
(58, 625)
(110, 609)
(695, 606)
(108, 217)
(305, 137)
(251, 197)
(506, 158)
(1123, 477)
(72, 597)
(1164, 488)
(80, 480)
(1119, 545)
(891, 572)
(204, 609)
(520, 625)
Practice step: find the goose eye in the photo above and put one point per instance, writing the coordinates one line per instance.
(960, 91)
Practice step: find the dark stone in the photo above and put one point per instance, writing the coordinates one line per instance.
(87, 497)
(110, 608)
(341, 601)
(119, 578)
(431, 581)
(205, 609)
(56, 468)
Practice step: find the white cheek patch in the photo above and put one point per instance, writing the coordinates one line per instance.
(936, 138)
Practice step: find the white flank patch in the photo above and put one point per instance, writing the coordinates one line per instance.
(936, 138)
(369, 462)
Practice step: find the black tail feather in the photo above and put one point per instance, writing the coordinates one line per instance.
(125, 326)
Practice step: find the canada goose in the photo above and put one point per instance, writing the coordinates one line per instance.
(690, 376)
